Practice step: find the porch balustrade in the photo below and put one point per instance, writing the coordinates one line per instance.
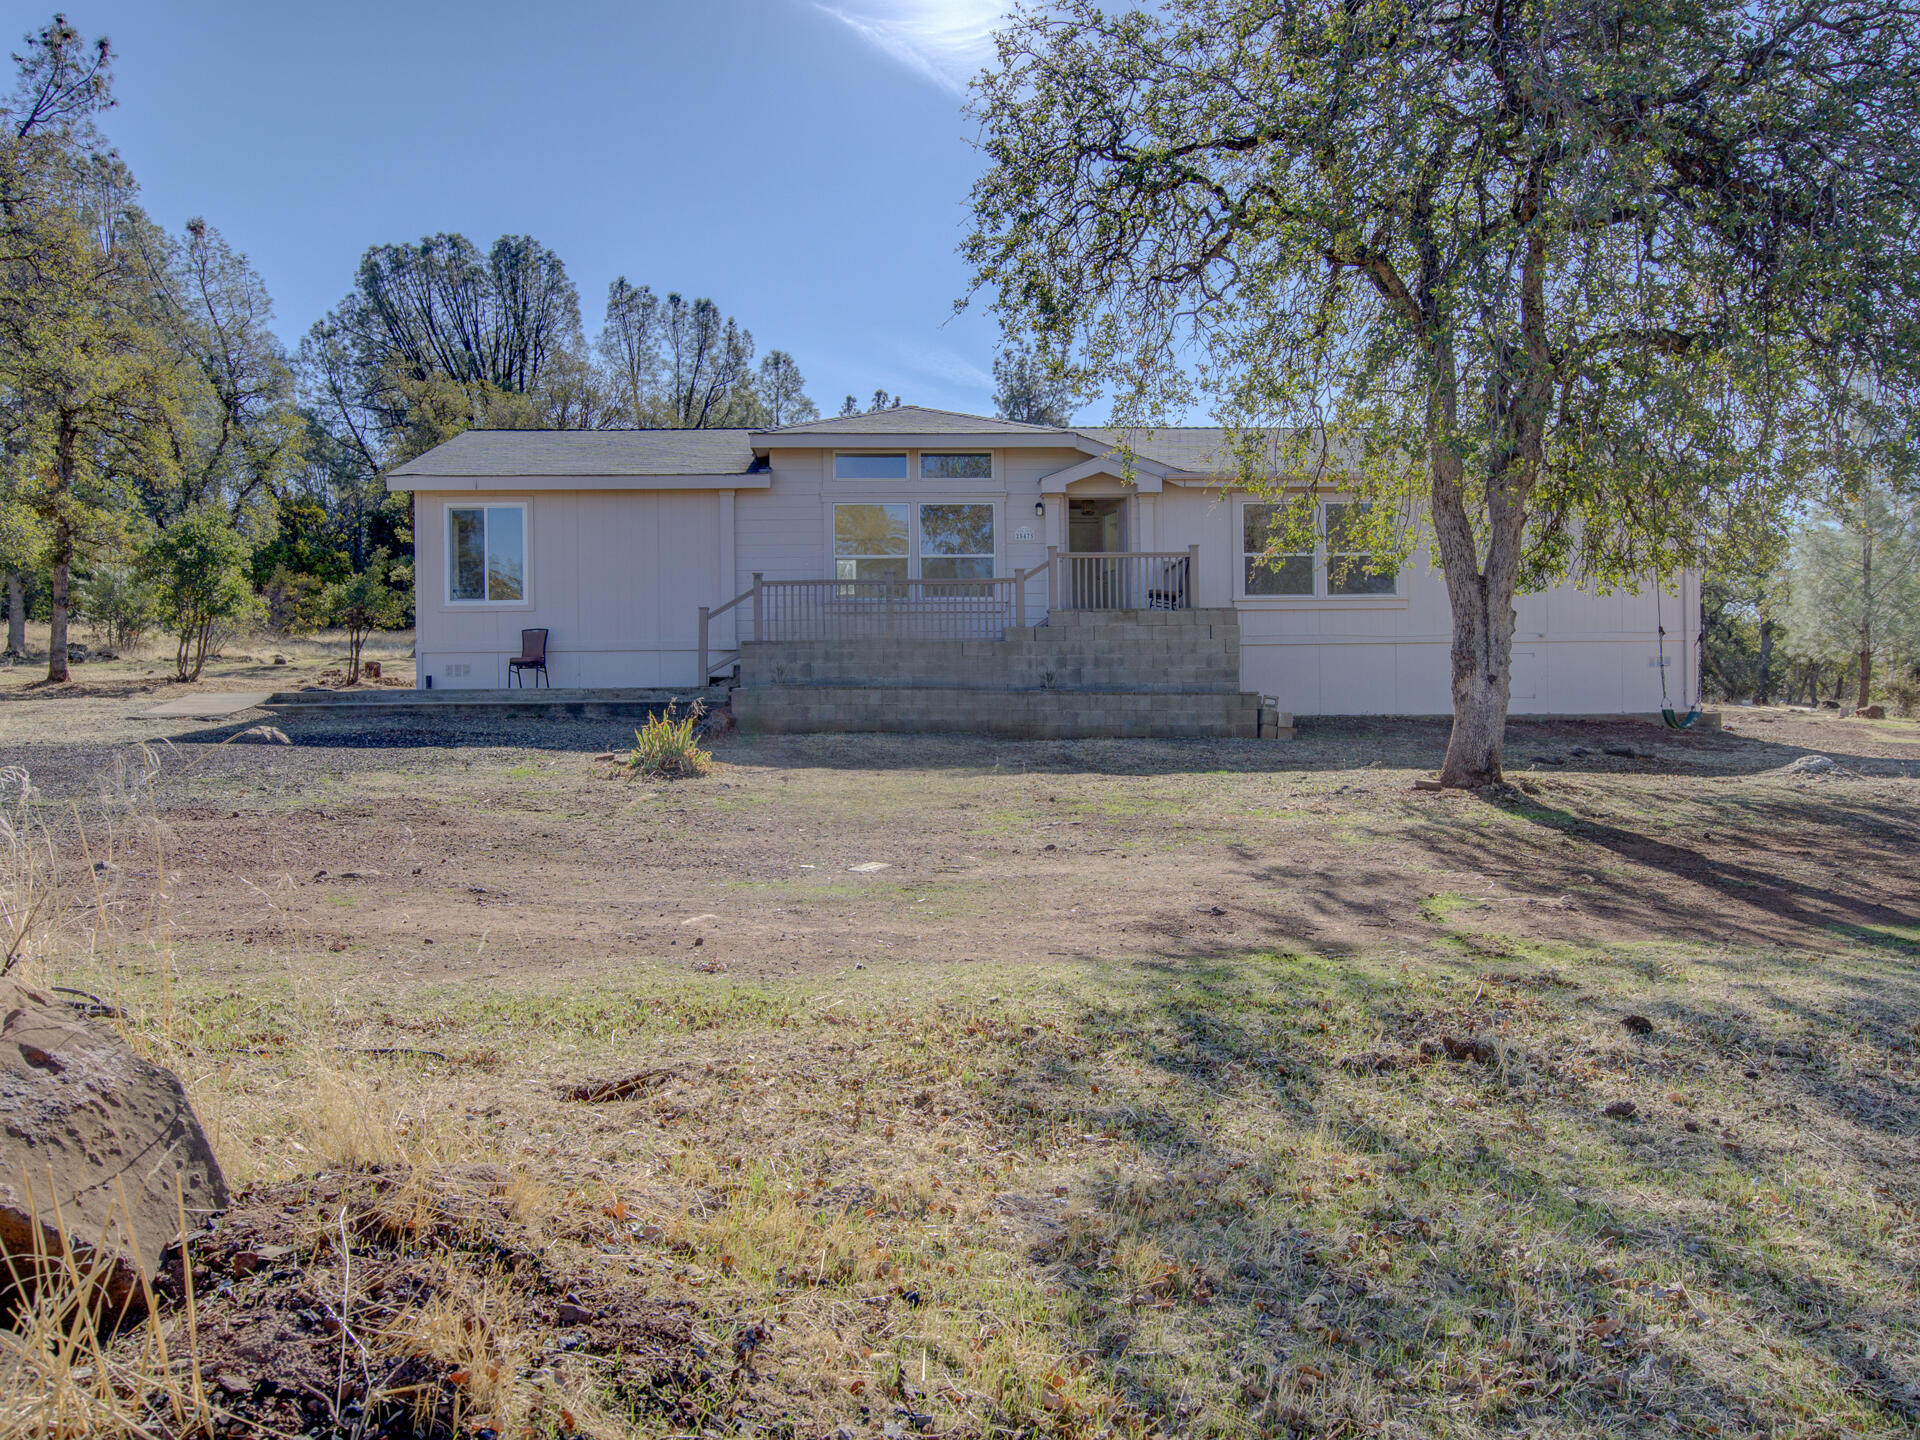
(935, 610)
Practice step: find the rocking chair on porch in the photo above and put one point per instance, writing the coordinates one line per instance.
(1172, 594)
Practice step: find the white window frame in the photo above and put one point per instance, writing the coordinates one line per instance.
(526, 553)
(1323, 594)
(915, 456)
(907, 460)
(920, 556)
(833, 537)
(915, 553)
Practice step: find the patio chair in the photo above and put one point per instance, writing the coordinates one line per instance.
(1172, 594)
(532, 656)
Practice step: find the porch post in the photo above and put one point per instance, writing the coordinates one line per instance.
(1053, 578)
(1193, 577)
(757, 606)
(700, 680)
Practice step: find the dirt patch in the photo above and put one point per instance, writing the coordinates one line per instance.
(392, 1302)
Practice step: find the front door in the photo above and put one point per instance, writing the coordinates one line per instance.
(1096, 527)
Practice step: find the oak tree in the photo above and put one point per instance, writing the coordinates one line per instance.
(1552, 281)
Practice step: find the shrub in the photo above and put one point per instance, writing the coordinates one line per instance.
(120, 604)
(667, 748)
(296, 602)
(198, 567)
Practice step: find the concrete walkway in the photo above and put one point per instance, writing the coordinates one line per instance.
(207, 707)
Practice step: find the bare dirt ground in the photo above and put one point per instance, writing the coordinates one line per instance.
(1064, 1088)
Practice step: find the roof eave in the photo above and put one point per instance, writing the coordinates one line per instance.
(745, 480)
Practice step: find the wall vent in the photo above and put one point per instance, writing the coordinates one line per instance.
(454, 672)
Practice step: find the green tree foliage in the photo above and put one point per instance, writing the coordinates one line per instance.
(119, 602)
(681, 364)
(197, 567)
(1854, 583)
(1034, 385)
(89, 386)
(783, 391)
(1558, 283)
(237, 434)
(367, 600)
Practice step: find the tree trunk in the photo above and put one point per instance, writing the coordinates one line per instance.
(1864, 698)
(57, 602)
(16, 617)
(1763, 681)
(63, 547)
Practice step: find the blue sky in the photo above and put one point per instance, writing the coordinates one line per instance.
(805, 164)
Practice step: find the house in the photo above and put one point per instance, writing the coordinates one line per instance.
(917, 568)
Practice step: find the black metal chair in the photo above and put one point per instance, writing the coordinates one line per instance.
(1173, 592)
(532, 656)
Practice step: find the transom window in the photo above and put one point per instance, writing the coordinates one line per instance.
(870, 467)
(896, 541)
(486, 554)
(927, 464)
(1336, 565)
(956, 466)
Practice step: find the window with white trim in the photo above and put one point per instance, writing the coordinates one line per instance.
(961, 465)
(1352, 569)
(956, 542)
(1338, 566)
(486, 554)
(892, 466)
(870, 542)
(1286, 573)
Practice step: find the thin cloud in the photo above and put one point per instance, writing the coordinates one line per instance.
(939, 363)
(945, 41)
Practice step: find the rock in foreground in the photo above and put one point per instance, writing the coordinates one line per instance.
(92, 1134)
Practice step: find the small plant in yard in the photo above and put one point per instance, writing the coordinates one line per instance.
(365, 602)
(668, 748)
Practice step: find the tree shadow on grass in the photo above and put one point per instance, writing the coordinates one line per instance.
(1304, 1244)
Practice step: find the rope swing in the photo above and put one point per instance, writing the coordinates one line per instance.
(1674, 722)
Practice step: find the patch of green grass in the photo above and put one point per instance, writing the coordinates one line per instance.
(1445, 904)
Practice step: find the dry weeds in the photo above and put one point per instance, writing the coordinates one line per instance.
(1364, 1188)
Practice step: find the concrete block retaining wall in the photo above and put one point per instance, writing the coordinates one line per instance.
(1154, 674)
(1176, 651)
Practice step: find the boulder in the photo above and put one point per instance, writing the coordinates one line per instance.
(105, 1141)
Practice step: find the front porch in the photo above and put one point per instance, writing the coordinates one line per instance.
(851, 613)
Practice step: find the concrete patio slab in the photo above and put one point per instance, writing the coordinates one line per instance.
(207, 707)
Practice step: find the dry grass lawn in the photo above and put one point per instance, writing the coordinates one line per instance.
(893, 1086)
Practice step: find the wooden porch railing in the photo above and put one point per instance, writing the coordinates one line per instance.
(1133, 580)
(950, 609)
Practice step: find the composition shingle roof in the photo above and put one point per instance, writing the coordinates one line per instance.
(509, 453)
(914, 420)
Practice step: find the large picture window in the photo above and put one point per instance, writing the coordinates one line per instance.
(486, 554)
(956, 542)
(1339, 564)
(870, 542)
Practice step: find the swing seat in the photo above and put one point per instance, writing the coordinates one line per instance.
(1679, 722)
